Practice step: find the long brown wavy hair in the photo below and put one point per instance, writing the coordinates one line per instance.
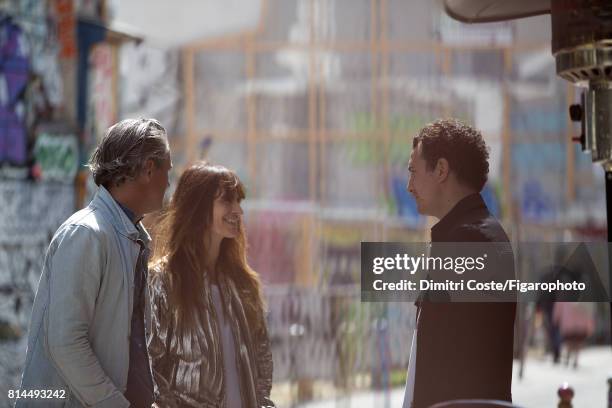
(180, 246)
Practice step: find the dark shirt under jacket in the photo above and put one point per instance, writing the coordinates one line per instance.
(465, 349)
(140, 382)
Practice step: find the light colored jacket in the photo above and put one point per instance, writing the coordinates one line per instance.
(81, 320)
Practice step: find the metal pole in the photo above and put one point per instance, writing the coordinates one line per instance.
(609, 220)
(610, 391)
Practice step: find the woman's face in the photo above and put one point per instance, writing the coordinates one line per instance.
(227, 217)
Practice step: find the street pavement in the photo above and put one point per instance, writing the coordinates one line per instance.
(537, 388)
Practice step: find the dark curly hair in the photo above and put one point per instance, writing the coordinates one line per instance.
(461, 145)
(125, 148)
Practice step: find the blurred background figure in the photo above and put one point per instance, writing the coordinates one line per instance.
(553, 336)
(576, 324)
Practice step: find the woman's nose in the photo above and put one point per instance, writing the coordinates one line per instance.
(237, 209)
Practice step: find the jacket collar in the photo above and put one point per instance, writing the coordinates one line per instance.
(118, 217)
(457, 213)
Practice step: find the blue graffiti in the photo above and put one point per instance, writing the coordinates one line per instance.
(536, 204)
(538, 121)
(491, 200)
(547, 156)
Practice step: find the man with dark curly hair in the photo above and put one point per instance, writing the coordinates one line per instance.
(460, 350)
(86, 342)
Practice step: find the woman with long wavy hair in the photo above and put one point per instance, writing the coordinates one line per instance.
(208, 345)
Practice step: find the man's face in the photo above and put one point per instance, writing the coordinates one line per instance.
(158, 183)
(422, 184)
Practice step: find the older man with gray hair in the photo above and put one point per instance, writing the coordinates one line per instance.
(86, 342)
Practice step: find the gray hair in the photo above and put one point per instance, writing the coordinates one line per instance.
(125, 148)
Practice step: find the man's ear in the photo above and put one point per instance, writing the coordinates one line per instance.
(148, 168)
(442, 169)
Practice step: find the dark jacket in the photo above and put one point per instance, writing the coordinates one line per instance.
(465, 349)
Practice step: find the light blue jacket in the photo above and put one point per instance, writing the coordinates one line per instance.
(80, 327)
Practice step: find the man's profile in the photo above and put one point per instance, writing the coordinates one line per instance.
(87, 332)
(459, 350)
